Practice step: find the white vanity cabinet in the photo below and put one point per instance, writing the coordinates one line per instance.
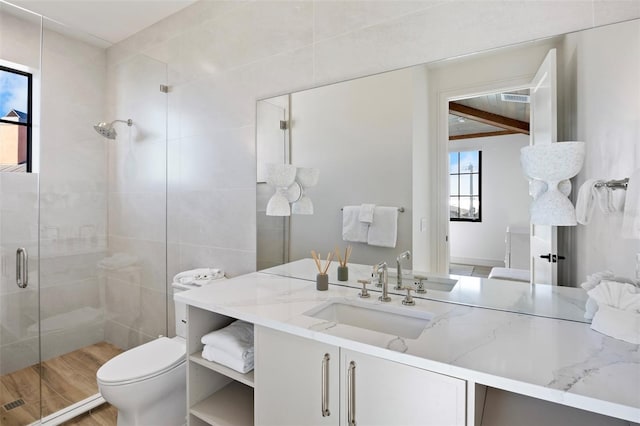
(297, 380)
(216, 395)
(382, 392)
(295, 384)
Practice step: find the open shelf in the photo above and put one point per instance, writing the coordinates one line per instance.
(247, 378)
(230, 406)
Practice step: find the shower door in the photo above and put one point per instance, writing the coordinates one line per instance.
(20, 393)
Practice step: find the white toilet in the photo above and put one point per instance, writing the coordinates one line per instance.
(147, 384)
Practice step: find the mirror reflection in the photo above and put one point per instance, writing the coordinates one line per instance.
(442, 141)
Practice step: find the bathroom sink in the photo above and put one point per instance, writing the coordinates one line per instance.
(400, 322)
(429, 282)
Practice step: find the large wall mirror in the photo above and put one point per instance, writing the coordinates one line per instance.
(442, 141)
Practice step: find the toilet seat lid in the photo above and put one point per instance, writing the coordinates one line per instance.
(144, 361)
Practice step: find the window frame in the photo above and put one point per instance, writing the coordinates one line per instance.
(458, 197)
(29, 123)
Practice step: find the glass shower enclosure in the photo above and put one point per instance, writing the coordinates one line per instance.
(83, 262)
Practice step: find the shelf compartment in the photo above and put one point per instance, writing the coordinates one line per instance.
(246, 378)
(230, 406)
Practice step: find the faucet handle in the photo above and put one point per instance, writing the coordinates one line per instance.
(420, 284)
(408, 300)
(364, 293)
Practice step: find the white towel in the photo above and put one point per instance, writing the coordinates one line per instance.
(352, 229)
(631, 218)
(618, 312)
(198, 276)
(586, 200)
(213, 354)
(236, 339)
(366, 213)
(383, 231)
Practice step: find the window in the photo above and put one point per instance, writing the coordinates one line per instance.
(15, 120)
(464, 186)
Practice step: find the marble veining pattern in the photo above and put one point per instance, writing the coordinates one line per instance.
(556, 360)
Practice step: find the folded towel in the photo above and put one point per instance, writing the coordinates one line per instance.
(213, 354)
(366, 213)
(586, 200)
(236, 339)
(383, 231)
(593, 280)
(631, 217)
(618, 312)
(352, 228)
(199, 276)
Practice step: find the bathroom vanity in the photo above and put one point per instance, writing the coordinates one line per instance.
(435, 363)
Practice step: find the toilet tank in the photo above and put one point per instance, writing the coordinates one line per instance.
(181, 308)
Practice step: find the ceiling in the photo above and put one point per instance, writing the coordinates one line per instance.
(109, 20)
(488, 115)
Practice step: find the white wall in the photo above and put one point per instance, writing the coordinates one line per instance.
(223, 56)
(359, 162)
(607, 120)
(505, 200)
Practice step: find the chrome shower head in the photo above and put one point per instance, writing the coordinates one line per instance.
(107, 130)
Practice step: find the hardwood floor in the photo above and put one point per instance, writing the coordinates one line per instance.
(66, 379)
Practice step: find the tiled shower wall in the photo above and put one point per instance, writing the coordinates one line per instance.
(224, 55)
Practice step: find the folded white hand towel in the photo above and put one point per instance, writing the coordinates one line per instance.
(213, 354)
(631, 217)
(366, 213)
(618, 312)
(352, 229)
(586, 201)
(236, 339)
(383, 231)
(198, 276)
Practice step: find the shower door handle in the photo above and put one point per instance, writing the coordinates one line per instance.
(22, 267)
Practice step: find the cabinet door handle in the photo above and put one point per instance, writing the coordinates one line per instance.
(325, 385)
(351, 394)
(22, 268)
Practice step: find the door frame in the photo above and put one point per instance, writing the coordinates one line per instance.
(442, 153)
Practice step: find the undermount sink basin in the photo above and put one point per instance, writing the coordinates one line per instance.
(429, 282)
(384, 319)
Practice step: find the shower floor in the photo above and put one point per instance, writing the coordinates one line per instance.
(65, 380)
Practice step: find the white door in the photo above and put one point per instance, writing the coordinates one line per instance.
(543, 126)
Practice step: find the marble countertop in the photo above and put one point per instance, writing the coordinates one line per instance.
(555, 360)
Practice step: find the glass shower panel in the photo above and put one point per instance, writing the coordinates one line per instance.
(134, 274)
(19, 342)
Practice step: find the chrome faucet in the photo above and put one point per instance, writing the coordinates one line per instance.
(383, 278)
(405, 255)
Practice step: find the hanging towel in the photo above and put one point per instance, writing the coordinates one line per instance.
(213, 354)
(236, 339)
(586, 200)
(352, 229)
(366, 213)
(618, 312)
(631, 217)
(383, 231)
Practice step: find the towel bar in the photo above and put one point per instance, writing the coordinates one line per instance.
(614, 184)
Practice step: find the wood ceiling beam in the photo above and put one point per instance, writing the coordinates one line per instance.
(483, 134)
(488, 118)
